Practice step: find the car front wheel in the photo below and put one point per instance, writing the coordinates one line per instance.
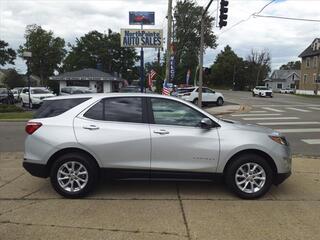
(249, 176)
(220, 101)
(74, 175)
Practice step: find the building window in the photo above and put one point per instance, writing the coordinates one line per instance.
(292, 86)
(305, 77)
(279, 85)
(308, 62)
(315, 61)
(315, 77)
(293, 77)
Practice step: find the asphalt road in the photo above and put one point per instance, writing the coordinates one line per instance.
(297, 117)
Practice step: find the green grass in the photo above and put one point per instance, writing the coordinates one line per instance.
(16, 116)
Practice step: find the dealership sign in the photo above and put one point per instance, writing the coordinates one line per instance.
(141, 18)
(147, 38)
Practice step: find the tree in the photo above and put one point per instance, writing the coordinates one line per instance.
(13, 79)
(227, 70)
(47, 51)
(291, 66)
(188, 25)
(259, 64)
(7, 55)
(101, 50)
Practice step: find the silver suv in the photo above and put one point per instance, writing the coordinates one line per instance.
(75, 139)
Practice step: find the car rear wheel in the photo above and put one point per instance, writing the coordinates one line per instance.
(74, 175)
(249, 176)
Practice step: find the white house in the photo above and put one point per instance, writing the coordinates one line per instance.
(281, 79)
(98, 81)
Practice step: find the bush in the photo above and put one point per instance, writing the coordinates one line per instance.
(5, 108)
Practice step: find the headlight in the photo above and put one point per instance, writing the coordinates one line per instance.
(280, 140)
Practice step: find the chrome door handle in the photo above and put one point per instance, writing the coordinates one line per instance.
(91, 127)
(161, 132)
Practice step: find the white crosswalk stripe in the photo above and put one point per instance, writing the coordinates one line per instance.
(287, 123)
(270, 118)
(311, 141)
(299, 130)
(257, 111)
(256, 115)
(315, 108)
(299, 110)
(272, 109)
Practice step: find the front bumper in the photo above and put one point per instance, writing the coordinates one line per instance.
(280, 177)
(36, 169)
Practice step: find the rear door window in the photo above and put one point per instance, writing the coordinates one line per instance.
(120, 109)
(53, 108)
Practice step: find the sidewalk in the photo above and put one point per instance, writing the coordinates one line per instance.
(30, 209)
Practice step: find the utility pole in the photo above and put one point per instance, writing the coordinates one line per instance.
(169, 40)
(201, 54)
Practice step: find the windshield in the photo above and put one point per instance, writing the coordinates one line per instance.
(39, 91)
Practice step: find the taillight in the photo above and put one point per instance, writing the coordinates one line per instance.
(31, 127)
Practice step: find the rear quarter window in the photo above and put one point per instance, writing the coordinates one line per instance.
(53, 108)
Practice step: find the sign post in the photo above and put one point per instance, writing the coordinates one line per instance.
(136, 38)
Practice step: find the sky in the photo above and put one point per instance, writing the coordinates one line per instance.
(71, 19)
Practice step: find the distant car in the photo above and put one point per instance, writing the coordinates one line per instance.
(37, 95)
(287, 90)
(190, 94)
(262, 91)
(74, 90)
(6, 96)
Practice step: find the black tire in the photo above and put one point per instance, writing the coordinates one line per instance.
(195, 101)
(90, 166)
(230, 176)
(220, 101)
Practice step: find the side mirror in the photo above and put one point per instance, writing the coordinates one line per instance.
(206, 123)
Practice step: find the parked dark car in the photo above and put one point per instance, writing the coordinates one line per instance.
(6, 96)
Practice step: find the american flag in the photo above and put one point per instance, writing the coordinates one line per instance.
(165, 89)
(151, 76)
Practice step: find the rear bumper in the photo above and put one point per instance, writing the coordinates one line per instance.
(37, 170)
(280, 177)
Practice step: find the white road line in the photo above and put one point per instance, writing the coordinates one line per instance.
(272, 118)
(314, 108)
(287, 123)
(257, 111)
(299, 110)
(256, 115)
(299, 130)
(286, 105)
(273, 109)
(311, 141)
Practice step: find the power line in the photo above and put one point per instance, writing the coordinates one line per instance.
(244, 20)
(286, 18)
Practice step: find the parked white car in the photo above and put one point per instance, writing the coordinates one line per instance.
(74, 90)
(37, 95)
(190, 94)
(287, 90)
(262, 91)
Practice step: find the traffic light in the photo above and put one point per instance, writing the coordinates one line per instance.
(223, 13)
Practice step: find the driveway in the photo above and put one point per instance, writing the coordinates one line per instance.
(30, 209)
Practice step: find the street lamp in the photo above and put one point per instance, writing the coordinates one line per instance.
(28, 55)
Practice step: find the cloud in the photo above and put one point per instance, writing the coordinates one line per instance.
(70, 19)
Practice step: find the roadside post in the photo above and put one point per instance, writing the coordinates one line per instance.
(27, 55)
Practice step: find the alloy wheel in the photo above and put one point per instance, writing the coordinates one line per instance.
(72, 176)
(250, 177)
